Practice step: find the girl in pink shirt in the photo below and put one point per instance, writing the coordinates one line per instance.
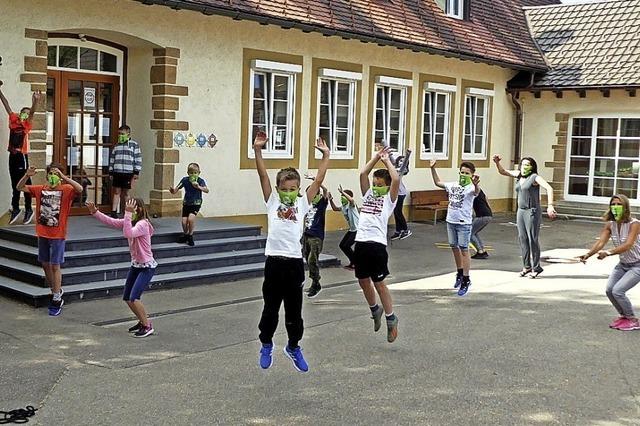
(138, 230)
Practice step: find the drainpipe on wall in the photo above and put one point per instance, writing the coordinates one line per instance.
(517, 142)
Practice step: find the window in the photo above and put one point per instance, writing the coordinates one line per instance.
(453, 8)
(271, 107)
(604, 157)
(476, 123)
(82, 58)
(336, 111)
(390, 111)
(435, 122)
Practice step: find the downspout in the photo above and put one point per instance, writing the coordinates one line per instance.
(517, 143)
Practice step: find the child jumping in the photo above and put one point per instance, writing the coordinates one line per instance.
(370, 255)
(53, 203)
(19, 128)
(351, 215)
(125, 165)
(284, 268)
(313, 238)
(138, 230)
(193, 186)
(460, 218)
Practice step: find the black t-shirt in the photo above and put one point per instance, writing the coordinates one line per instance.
(481, 206)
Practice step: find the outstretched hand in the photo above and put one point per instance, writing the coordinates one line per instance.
(340, 190)
(91, 207)
(31, 171)
(321, 146)
(383, 154)
(130, 206)
(260, 141)
(475, 179)
(432, 163)
(583, 258)
(497, 159)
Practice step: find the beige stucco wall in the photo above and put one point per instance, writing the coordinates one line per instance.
(211, 66)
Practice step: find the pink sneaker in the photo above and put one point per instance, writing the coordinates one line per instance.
(628, 325)
(616, 322)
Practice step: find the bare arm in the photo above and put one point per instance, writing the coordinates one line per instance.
(395, 177)
(349, 198)
(551, 211)
(434, 174)
(364, 173)
(66, 179)
(4, 100)
(35, 99)
(476, 183)
(333, 204)
(265, 183)
(631, 240)
(605, 234)
(204, 189)
(322, 169)
(502, 170)
(20, 186)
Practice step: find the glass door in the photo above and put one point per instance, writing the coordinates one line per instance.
(82, 126)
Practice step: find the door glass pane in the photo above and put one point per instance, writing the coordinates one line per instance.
(578, 185)
(582, 126)
(626, 169)
(108, 62)
(395, 98)
(74, 99)
(324, 116)
(52, 56)
(105, 129)
(467, 144)
(426, 142)
(630, 148)
(72, 150)
(606, 147)
(68, 57)
(581, 147)
(90, 129)
(280, 87)
(630, 127)
(88, 59)
(603, 187)
(341, 139)
(89, 95)
(343, 93)
(439, 144)
(579, 166)
(604, 167)
(105, 98)
(607, 126)
(628, 187)
(342, 117)
(280, 113)
(259, 114)
(478, 146)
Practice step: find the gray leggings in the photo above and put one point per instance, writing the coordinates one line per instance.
(528, 221)
(622, 279)
(478, 225)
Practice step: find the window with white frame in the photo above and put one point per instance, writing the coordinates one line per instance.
(476, 123)
(272, 106)
(391, 111)
(336, 110)
(435, 120)
(453, 8)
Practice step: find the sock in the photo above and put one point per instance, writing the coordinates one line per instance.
(391, 316)
(460, 272)
(374, 308)
(57, 296)
(466, 279)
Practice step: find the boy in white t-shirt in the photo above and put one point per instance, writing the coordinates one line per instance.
(460, 218)
(284, 268)
(370, 254)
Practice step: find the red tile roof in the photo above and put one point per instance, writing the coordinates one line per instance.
(497, 32)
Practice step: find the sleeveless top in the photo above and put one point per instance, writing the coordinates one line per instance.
(620, 237)
(528, 193)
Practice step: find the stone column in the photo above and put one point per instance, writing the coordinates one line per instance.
(559, 164)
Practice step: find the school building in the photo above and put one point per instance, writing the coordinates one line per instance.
(450, 79)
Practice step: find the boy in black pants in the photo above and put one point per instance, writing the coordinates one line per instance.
(313, 238)
(284, 268)
(351, 215)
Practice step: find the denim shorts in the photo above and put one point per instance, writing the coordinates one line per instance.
(51, 251)
(459, 235)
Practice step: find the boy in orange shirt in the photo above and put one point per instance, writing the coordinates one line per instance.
(53, 203)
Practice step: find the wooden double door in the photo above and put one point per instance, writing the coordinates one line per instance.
(82, 127)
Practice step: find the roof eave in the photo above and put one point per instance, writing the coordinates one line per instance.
(288, 24)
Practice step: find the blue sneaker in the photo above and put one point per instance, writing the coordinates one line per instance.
(295, 355)
(266, 355)
(458, 281)
(464, 287)
(55, 308)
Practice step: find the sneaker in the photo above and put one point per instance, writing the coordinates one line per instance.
(313, 291)
(190, 240)
(28, 217)
(458, 281)
(14, 216)
(396, 236)
(55, 307)
(295, 355)
(405, 234)
(628, 324)
(350, 267)
(392, 329)
(135, 328)
(183, 238)
(464, 287)
(144, 331)
(483, 255)
(266, 355)
(377, 318)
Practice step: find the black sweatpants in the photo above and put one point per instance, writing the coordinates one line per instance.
(18, 165)
(283, 281)
(401, 222)
(347, 243)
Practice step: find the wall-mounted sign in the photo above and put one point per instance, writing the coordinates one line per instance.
(89, 97)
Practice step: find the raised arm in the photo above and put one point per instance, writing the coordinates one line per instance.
(476, 183)
(502, 170)
(605, 234)
(364, 173)
(4, 100)
(395, 177)
(265, 183)
(35, 102)
(434, 174)
(333, 204)
(109, 221)
(20, 186)
(349, 198)
(551, 211)
(66, 179)
(322, 169)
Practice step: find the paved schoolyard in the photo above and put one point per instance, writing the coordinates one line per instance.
(513, 351)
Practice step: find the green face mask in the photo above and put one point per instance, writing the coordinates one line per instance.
(134, 216)
(464, 180)
(380, 191)
(525, 170)
(316, 199)
(53, 180)
(288, 198)
(617, 211)
(24, 115)
(344, 200)
(123, 138)
(193, 177)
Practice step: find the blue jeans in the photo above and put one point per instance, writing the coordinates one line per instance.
(459, 235)
(51, 250)
(137, 281)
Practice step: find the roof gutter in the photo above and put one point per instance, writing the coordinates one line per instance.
(382, 41)
(532, 88)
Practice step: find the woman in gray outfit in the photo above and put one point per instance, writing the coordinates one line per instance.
(625, 233)
(529, 215)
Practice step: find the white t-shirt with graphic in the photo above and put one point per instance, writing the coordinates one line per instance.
(286, 225)
(460, 202)
(374, 216)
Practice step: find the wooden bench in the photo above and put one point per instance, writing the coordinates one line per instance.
(434, 200)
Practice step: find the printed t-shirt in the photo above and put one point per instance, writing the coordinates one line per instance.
(286, 224)
(52, 209)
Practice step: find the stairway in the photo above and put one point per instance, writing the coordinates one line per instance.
(97, 258)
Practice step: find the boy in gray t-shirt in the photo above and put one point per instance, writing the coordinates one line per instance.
(460, 218)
